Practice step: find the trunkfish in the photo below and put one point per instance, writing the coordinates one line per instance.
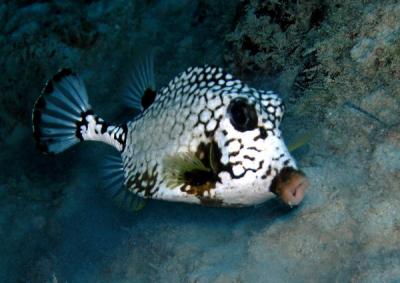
(205, 138)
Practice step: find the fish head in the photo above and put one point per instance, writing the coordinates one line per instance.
(253, 153)
(236, 155)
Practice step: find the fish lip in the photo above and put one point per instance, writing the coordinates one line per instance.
(290, 185)
(299, 192)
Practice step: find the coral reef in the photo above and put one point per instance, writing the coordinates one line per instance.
(337, 66)
(272, 35)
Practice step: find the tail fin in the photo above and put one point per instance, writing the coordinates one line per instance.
(62, 117)
(57, 111)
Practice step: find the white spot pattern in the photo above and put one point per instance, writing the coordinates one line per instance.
(192, 110)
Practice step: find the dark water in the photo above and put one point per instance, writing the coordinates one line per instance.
(56, 223)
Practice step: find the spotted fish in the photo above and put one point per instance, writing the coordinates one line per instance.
(205, 138)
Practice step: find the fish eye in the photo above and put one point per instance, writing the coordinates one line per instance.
(243, 116)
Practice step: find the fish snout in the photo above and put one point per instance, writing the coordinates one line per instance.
(290, 186)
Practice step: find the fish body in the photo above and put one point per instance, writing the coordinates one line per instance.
(205, 138)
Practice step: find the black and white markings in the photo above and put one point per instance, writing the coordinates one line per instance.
(93, 128)
(192, 110)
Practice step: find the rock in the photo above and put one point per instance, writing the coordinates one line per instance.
(39, 222)
(381, 30)
(382, 105)
(36, 11)
(386, 156)
(3, 13)
(25, 30)
(362, 52)
(380, 221)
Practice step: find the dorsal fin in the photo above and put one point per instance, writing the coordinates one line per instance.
(141, 89)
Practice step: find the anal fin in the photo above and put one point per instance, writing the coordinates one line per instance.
(113, 183)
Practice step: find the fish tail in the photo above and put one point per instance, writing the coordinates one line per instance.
(63, 117)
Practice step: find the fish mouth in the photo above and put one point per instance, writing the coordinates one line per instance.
(290, 185)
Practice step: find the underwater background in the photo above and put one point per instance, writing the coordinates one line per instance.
(336, 64)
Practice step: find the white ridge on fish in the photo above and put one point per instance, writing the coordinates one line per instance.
(205, 138)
